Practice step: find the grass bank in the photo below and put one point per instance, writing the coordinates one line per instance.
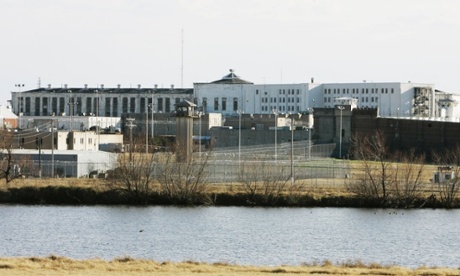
(54, 265)
(314, 193)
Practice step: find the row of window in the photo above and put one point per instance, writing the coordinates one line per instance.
(363, 99)
(282, 109)
(283, 92)
(77, 105)
(280, 100)
(356, 91)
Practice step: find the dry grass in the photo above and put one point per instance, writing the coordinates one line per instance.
(314, 186)
(54, 265)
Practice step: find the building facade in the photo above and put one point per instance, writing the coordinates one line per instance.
(231, 95)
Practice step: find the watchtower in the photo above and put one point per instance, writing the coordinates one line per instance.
(185, 111)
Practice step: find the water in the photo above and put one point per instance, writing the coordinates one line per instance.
(250, 236)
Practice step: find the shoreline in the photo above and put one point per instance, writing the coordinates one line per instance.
(57, 265)
(84, 195)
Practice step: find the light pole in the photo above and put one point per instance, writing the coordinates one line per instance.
(147, 131)
(341, 108)
(199, 132)
(275, 111)
(70, 104)
(292, 148)
(52, 148)
(239, 135)
(310, 130)
(97, 119)
(153, 111)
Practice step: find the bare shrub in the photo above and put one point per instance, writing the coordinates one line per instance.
(262, 181)
(134, 175)
(448, 190)
(184, 182)
(393, 178)
(376, 173)
(409, 172)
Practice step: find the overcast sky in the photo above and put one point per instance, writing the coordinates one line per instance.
(131, 42)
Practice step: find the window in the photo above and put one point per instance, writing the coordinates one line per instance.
(96, 106)
(90, 141)
(235, 104)
(107, 107)
(142, 105)
(37, 105)
(216, 103)
(224, 104)
(160, 104)
(88, 105)
(392, 90)
(124, 105)
(54, 109)
(168, 104)
(61, 105)
(205, 103)
(257, 91)
(82, 141)
(115, 107)
(132, 106)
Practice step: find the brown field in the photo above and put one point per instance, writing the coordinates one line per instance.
(54, 265)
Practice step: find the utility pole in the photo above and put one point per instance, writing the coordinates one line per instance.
(130, 125)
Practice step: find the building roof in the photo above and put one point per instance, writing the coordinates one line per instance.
(232, 78)
(7, 113)
(62, 90)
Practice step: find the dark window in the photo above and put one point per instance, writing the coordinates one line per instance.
(115, 107)
(107, 107)
(167, 104)
(160, 104)
(37, 106)
(142, 105)
(88, 106)
(132, 106)
(124, 105)
(61, 105)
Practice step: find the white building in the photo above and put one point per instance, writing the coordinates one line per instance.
(391, 98)
(61, 163)
(232, 94)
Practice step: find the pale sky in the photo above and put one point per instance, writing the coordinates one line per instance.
(131, 42)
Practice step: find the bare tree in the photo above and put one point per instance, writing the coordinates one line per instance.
(7, 162)
(184, 182)
(263, 182)
(377, 175)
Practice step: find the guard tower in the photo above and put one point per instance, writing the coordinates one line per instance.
(184, 133)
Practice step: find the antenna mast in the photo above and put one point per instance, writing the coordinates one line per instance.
(182, 60)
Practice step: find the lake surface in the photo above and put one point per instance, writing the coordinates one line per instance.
(250, 236)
